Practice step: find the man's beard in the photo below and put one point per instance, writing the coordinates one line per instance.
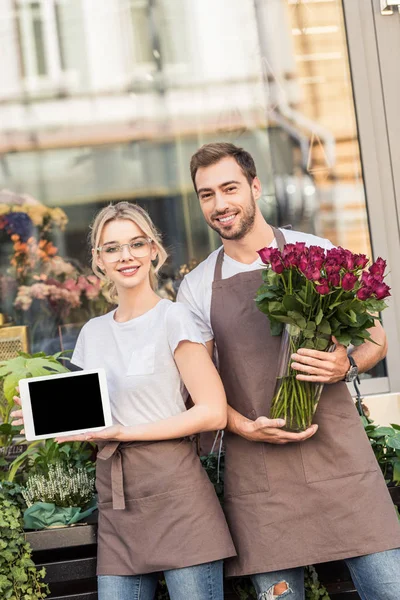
(238, 231)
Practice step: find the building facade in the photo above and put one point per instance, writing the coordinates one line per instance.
(103, 100)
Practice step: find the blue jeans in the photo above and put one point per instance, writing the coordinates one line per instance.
(375, 576)
(201, 582)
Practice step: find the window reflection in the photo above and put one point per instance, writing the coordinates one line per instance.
(107, 101)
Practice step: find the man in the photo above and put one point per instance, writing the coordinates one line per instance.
(290, 499)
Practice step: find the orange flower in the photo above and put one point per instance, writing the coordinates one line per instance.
(15, 237)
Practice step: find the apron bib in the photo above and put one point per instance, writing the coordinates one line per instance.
(157, 509)
(300, 503)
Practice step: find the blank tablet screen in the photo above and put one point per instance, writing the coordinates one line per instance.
(66, 404)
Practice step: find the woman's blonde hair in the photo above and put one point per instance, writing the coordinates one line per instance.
(136, 214)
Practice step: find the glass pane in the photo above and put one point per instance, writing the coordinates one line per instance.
(37, 25)
(269, 75)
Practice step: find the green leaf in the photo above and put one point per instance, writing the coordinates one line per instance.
(321, 344)
(311, 326)
(319, 316)
(393, 442)
(276, 307)
(290, 303)
(297, 318)
(397, 427)
(385, 431)
(324, 327)
(344, 338)
(276, 327)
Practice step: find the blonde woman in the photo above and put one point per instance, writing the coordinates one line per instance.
(157, 509)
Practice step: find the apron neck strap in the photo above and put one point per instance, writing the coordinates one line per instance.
(218, 265)
(280, 238)
(280, 242)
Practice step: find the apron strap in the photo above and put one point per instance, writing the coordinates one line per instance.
(218, 265)
(280, 238)
(280, 242)
(113, 451)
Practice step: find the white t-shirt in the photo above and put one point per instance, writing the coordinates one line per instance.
(196, 288)
(138, 356)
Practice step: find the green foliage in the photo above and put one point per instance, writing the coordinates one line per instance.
(385, 442)
(210, 463)
(313, 587)
(19, 578)
(14, 369)
(40, 455)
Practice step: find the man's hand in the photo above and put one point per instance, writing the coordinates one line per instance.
(321, 367)
(268, 430)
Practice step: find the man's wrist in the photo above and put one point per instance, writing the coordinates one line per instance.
(352, 372)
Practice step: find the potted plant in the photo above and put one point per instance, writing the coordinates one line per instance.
(11, 371)
(19, 578)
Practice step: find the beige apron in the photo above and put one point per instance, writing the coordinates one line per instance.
(157, 509)
(300, 503)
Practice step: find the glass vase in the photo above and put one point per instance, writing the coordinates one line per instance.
(293, 400)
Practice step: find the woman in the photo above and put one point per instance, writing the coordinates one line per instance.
(157, 509)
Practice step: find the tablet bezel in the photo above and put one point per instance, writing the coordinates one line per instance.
(26, 405)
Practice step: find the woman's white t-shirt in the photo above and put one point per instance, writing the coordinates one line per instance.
(138, 356)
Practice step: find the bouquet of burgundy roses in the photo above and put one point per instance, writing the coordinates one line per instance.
(311, 296)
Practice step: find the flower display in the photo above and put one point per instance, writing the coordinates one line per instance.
(43, 217)
(317, 295)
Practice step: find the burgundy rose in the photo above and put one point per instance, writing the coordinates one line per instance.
(303, 263)
(360, 261)
(300, 247)
(348, 282)
(312, 273)
(322, 287)
(332, 269)
(335, 256)
(364, 293)
(277, 266)
(378, 267)
(265, 254)
(382, 291)
(368, 280)
(348, 260)
(334, 279)
(316, 256)
(289, 256)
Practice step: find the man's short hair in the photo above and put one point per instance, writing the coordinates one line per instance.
(209, 154)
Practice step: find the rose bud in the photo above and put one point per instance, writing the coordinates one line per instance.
(312, 273)
(349, 281)
(334, 279)
(378, 267)
(360, 261)
(364, 293)
(277, 266)
(382, 291)
(322, 287)
(265, 254)
(303, 263)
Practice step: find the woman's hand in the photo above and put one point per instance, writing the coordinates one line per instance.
(17, 416)
(108, 434)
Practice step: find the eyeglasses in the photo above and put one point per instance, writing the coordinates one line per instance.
(137, 248)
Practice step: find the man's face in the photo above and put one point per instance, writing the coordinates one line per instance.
(227, 199)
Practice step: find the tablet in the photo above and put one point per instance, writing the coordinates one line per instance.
(65, 404)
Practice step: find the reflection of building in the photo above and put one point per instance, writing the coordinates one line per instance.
(107, 99)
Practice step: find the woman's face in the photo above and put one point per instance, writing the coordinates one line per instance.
(126, 271)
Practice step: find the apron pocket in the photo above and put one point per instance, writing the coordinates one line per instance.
(340, 448)
(245, 467)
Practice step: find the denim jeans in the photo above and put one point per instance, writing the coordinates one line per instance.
(201, 582)
(375, 576)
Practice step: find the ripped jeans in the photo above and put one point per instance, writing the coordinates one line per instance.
(375, 576)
